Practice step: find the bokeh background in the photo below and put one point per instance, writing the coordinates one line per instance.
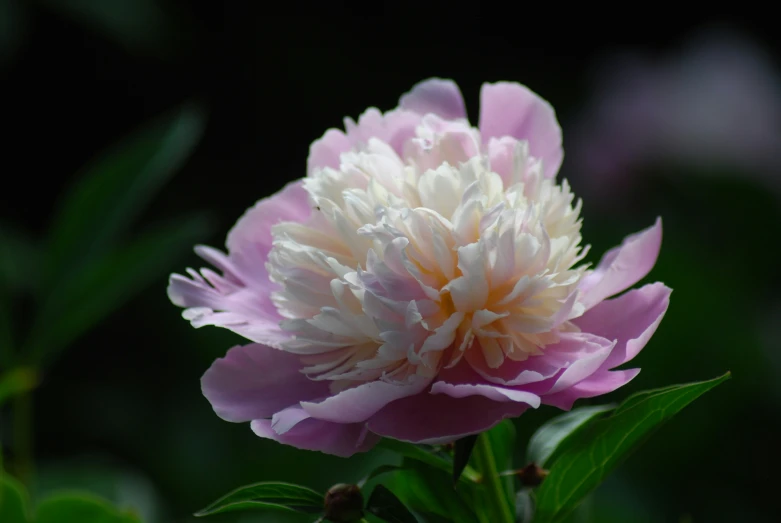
(682, 121)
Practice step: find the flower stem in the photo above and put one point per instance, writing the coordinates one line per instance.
(497, 503)
(22, 436)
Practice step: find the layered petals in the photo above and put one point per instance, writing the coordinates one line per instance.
(623, 266)
(511, 109)
(255, 381)
(239, 299)
(440, 418)
(424, 281)
(308, 433)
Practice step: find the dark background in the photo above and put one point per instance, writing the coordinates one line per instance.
(120, 412)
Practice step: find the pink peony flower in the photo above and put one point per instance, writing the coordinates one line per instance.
(422, 282)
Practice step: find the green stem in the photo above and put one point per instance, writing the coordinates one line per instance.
(497, 502)
(22, 436)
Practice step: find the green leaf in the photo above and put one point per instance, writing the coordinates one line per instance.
(17, 381)
(461, 454)
(102, 286)
(585, 463)
(382, 469)
(412, 451)
(19, 258)
(385, 505)
(428, 490)
(13, 501)
(117, 187)
(495, 503)
(502, 440)
(150, 27)
(69, 507)
(268, 496)
(524, 506)
(556, 432)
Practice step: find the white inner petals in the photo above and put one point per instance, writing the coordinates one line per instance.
(408, 263)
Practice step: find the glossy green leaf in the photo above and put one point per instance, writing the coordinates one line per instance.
(502, 439)
(104, 285)
(425, 489)
(69, 507)
(15, 382)
(418, 453)
(494, 503)
(554, 433)
(13, 500)
(461, 453)
(268, 496)
(116, 188)
(385, 505)
(585, 463)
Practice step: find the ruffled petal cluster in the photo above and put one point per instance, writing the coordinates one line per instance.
(423, 282)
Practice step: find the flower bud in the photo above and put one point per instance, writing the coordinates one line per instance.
(344, 503)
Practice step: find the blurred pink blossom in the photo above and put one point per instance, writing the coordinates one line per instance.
(422, 282)
(713, 106)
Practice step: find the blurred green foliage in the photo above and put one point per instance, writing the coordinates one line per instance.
(132, 426)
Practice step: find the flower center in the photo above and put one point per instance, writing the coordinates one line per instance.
(407, 265)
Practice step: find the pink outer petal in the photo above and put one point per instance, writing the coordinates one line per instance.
(622, 266)
(394, 127)
(325, 151)
(251, 236)
(463, 380)
(439, 418)
(239, 299)
(632, 318)
(573, 358)
(601, 382)
(361, 402)
(437, 96)
(511, 109)
(312, 434)
(255, 381)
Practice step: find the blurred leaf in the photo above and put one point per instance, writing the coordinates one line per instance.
(6, 329)
(13, 28)
(427, 490)
(139, 26)
(116, 187)
(19, 264)
(19, 258)
(502, 438)
(80, 507)
(102, 286)
(585, 463)
(382, 469)
(412, 451)
(268, 495)
(15, 382)
(461, 453)
(13, 501)
(524, 506)
(557, 431)
(385, 505)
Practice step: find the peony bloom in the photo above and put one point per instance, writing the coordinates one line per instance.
(422, 282)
